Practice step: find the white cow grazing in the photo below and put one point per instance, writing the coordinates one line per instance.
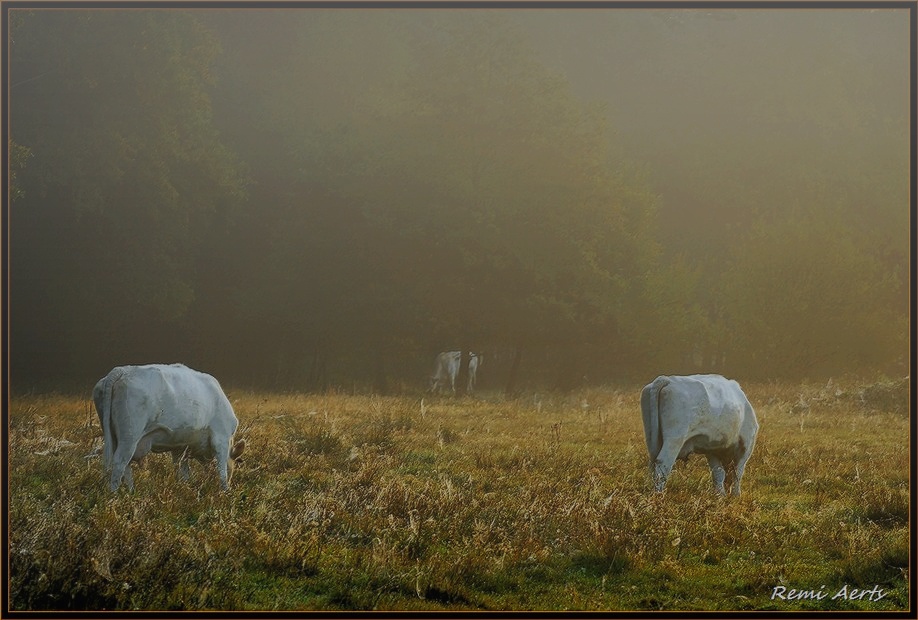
(160, 408)
(474, 361)
(446, 369)
(707, 414)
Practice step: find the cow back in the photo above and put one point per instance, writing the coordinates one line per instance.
(181, 398)
(132, 400)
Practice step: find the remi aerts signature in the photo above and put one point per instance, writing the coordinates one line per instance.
(845, 593)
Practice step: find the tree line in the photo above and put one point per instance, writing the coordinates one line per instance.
(333, 209)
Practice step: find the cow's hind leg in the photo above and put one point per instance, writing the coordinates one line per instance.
(740, 468)
(664, 463)
(181, 458)
(718, 473)
(222, 450)
(129, 477)
(121, 466)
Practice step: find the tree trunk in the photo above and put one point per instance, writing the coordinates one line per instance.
(510, 390)
(380, 383)
(318, 377)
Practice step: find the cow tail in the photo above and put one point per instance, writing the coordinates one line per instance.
(650, 408)
(108, 442)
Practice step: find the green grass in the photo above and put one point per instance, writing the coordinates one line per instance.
(362, 502)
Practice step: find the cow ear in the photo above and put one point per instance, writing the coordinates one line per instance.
(238, 447)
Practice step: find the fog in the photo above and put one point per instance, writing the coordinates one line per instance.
(304, 199)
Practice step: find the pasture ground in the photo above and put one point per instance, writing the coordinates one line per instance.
(362, 502)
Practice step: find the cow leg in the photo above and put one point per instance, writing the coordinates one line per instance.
(738, 477)
(180, 457)
(222, 450)
(185, 469)
(223, 471)
(740, 467)
(129, 477)
(665, 461)
(718, 473)
(740, 456)
(121, 466)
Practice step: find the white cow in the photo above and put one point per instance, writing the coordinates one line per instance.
(160, 408)
(446, 369)
(475, 360)
(707, 414)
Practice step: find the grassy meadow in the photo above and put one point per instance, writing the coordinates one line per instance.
(364, 502)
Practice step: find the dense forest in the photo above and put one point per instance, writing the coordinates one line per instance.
(312, 199)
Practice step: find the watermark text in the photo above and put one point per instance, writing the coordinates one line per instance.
(845, 593)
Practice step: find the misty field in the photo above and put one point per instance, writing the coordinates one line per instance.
(541, 502)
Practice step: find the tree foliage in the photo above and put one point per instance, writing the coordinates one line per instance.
(374, 187)
(126, 181)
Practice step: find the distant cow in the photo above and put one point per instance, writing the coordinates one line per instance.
(707, 414)
(159, 408)
(474, 361)
(446, 369)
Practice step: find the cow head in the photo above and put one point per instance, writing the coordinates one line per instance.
(235, 451)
